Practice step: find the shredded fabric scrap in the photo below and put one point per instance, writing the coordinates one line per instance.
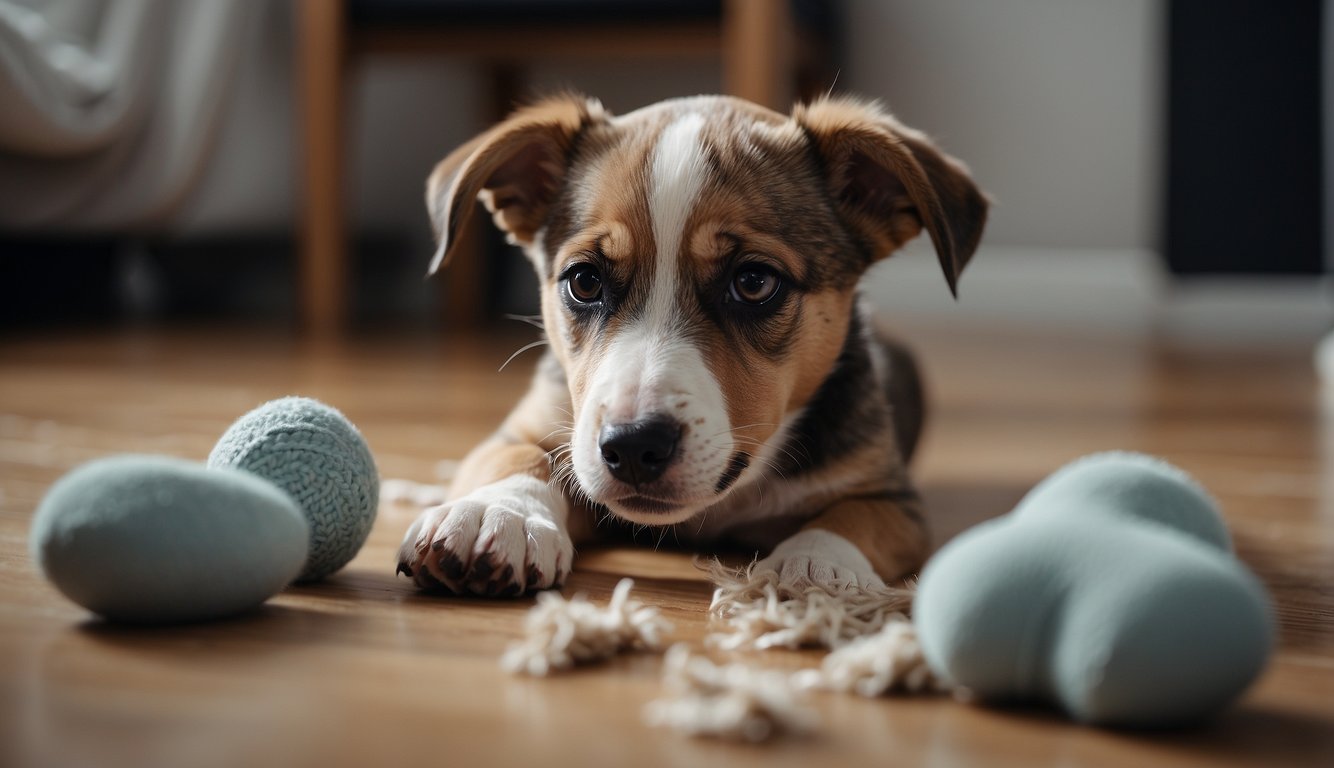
(399, 491)
(733, 701)
(757, 611)
(890, 661)
(561, 633)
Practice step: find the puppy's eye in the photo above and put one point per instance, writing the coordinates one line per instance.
(584, 284)
(755, 284)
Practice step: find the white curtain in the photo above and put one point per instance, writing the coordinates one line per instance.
(108, 107)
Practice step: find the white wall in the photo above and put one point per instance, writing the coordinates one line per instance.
(1054, 104)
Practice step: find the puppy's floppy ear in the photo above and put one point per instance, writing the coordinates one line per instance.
(515, 169)
(890, 182)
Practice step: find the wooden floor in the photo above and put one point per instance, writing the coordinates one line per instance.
(362, 670)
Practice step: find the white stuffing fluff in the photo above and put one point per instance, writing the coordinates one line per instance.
(759, 612)
(398, 491)
(561, 633)
(875, 650)
(887, 662)
(732, 701)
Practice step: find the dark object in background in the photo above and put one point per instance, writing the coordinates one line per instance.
(49, 282)
(1244, 172)
(816, 16)
(102, 282)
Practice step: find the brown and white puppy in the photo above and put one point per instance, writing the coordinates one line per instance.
(709, 370)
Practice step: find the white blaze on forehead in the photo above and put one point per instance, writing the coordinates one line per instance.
(678, 172)
(651, 366)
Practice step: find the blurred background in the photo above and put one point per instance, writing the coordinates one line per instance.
(1156, 164)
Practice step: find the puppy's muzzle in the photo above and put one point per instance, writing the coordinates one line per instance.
(639, 452)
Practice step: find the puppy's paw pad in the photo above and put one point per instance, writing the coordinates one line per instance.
(498, 541)
(801, 571)
(820, 558)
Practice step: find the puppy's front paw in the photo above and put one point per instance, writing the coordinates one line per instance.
(816, 557)
(502, 539)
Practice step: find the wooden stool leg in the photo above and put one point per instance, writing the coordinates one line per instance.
(758, 59)
(322, 274)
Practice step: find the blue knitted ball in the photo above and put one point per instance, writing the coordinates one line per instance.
(312, 452)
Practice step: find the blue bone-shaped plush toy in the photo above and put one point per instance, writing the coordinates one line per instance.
(1110, 590)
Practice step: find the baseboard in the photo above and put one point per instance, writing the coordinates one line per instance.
(1116, 290)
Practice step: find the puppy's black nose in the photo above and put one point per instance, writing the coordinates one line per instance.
(641, 451)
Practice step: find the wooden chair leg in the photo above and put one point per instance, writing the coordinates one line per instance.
(472, 282)
(758, 52)
(322, 272)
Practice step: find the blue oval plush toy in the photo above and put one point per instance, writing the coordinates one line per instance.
(1111, 591)
(290, 493)
(160, 539)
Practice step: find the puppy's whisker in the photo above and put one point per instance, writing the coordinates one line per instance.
(781, 448)
(833, 83)
(733, 430)
(756, 424)
(758, 454)
(567, 431)
(758, 447)
(521, 350)
(533, 320)
(758, 458)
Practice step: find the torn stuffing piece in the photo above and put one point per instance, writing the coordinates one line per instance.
(733, 701)
(560, 633)
(889, 661)
(758, 612)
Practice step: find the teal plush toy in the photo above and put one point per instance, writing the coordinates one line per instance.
(312, 452)
(1111, 591)
(290, 494)
(154, 539)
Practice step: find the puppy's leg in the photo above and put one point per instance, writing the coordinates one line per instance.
(857, 541)
(505, 529)
(876, 533)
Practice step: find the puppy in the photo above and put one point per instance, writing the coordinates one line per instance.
(709, 372)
